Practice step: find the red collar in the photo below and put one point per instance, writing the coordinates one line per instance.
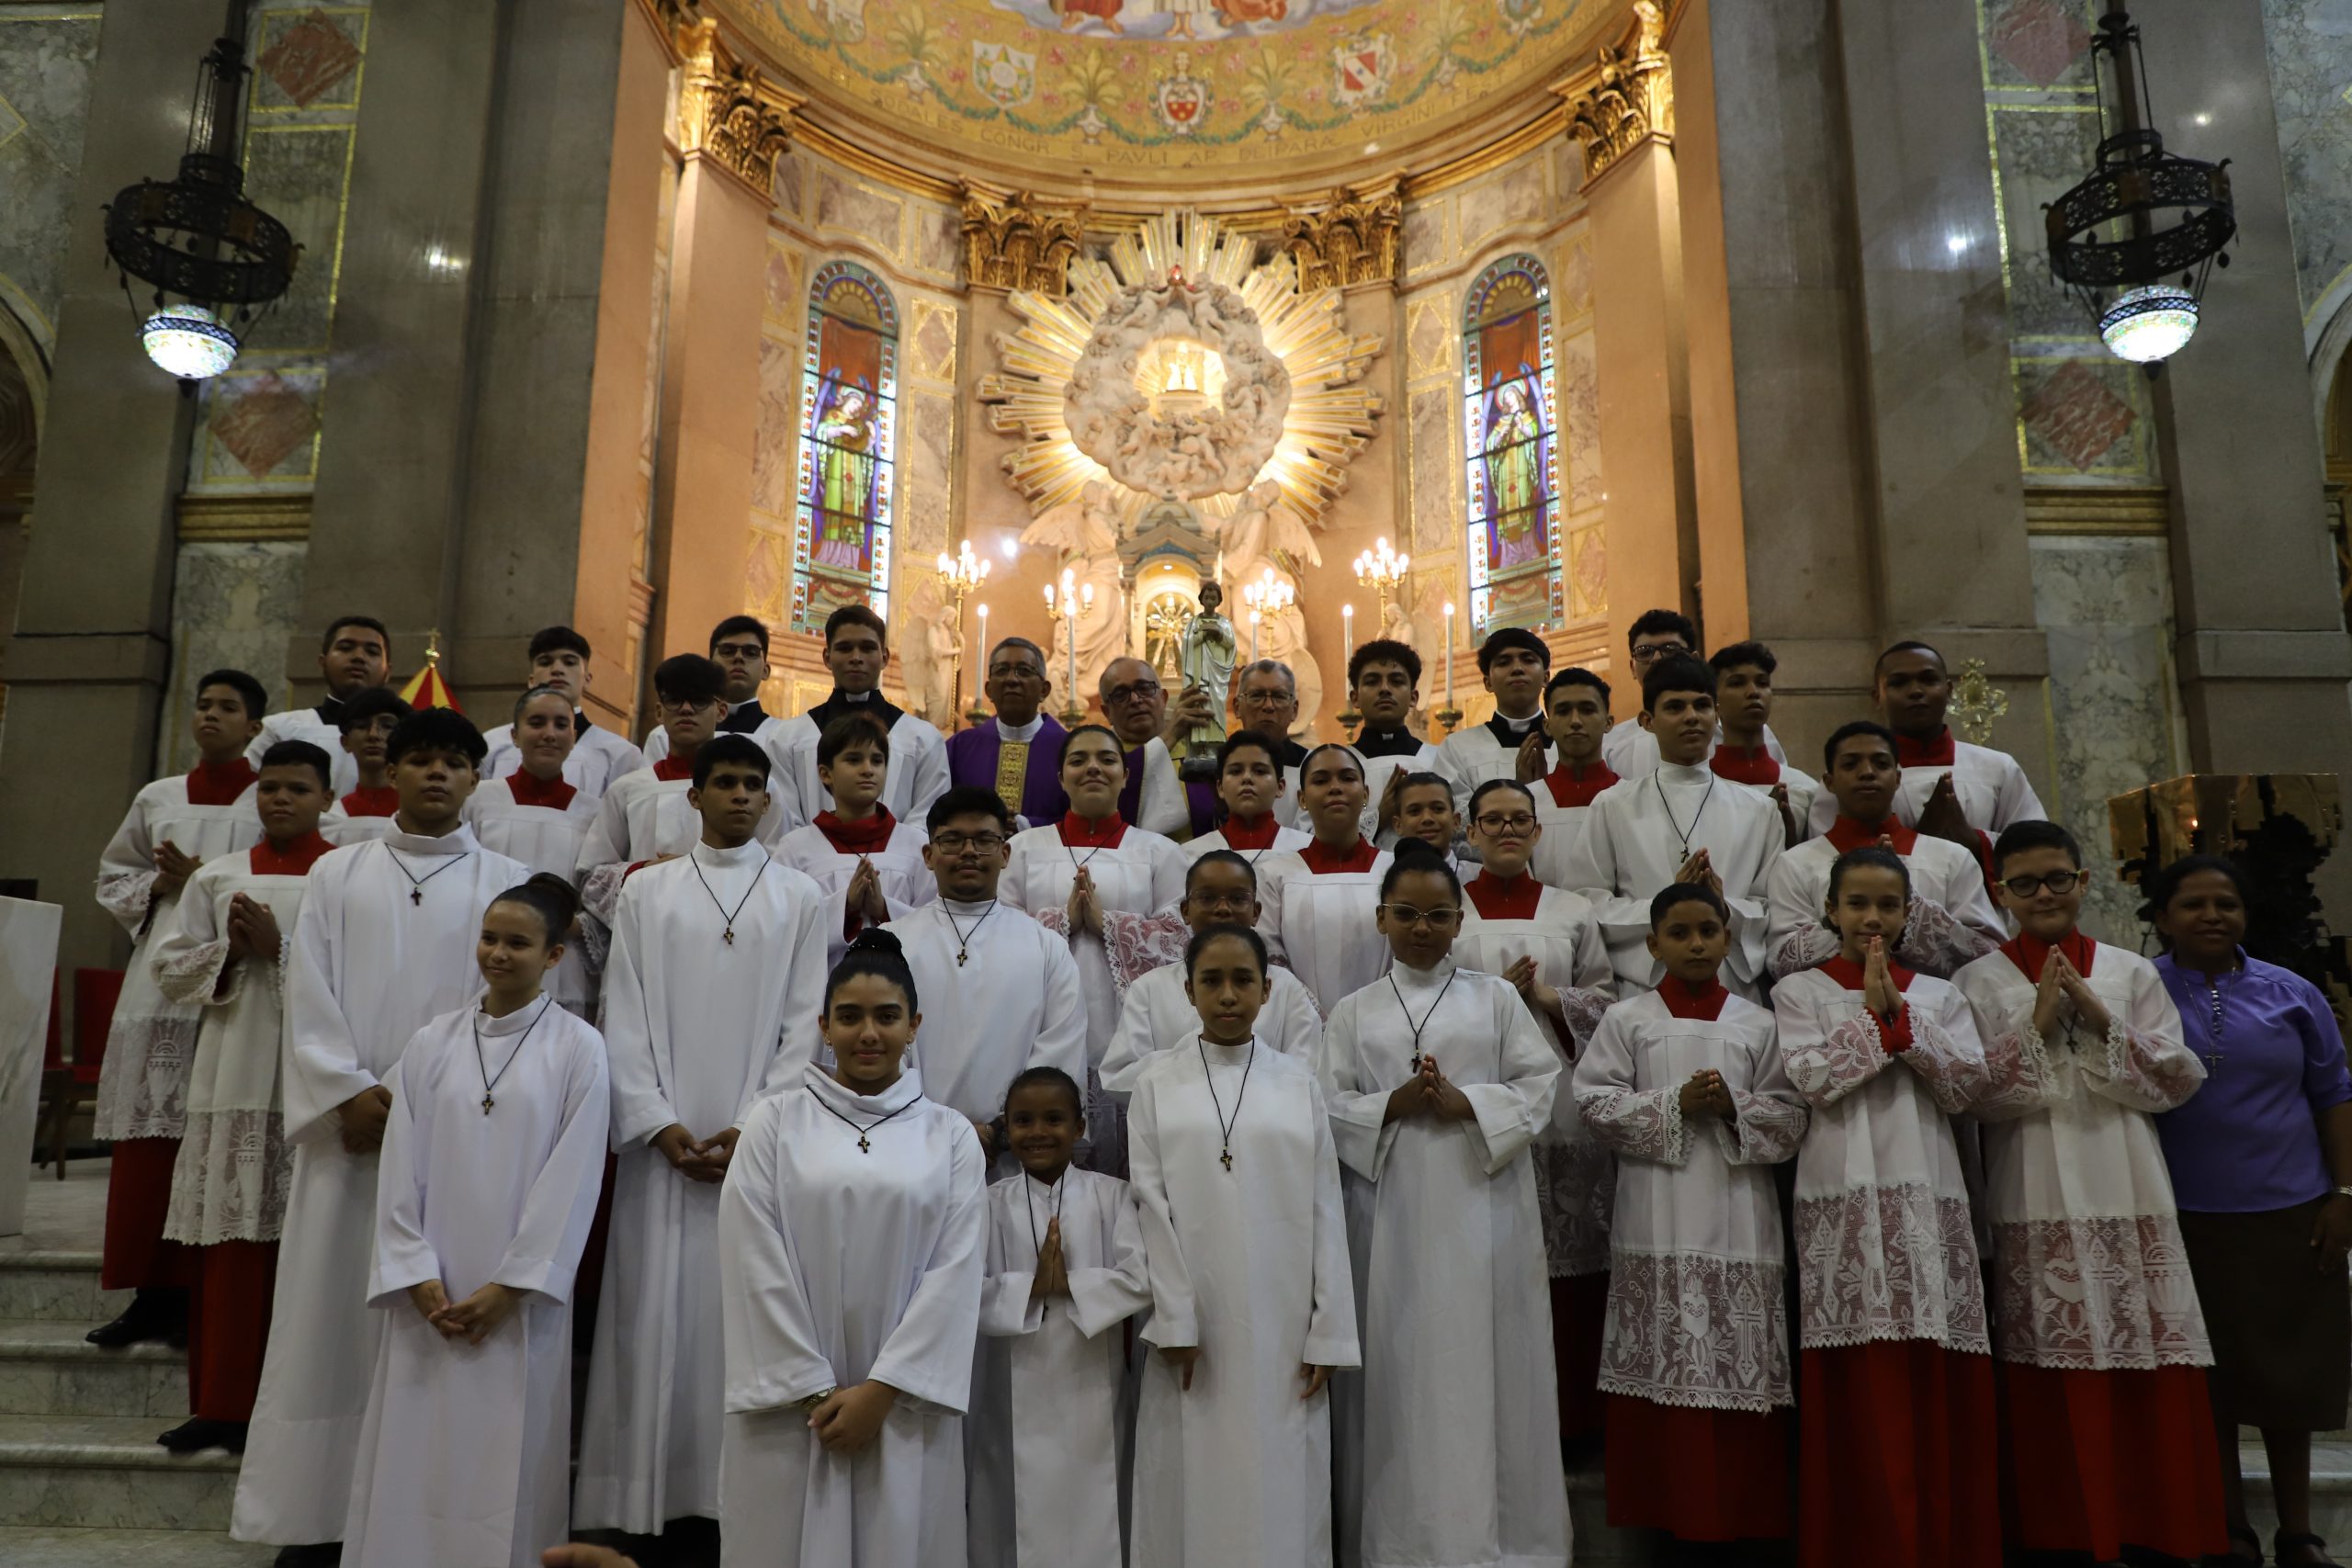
(1684, 1000)
(218, 783)
(2029, 953)
(384, 800)
(671, 769)
(1240, 835)
(1849, 974)
(1939, 752)
(1079, 834)
(1845, 833)
(1577, 786)
(1744, 764)
(1323, 860)
(528, 789)
(1500, 899)
(295, 859)
(857, 838)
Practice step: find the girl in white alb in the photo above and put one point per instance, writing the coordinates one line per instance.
(1315, 903)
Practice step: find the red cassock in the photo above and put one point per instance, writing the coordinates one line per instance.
(1897, 1440)
(1710, 1475)
(2098, 1460)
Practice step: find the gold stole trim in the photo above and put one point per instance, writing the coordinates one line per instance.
(1011, 772)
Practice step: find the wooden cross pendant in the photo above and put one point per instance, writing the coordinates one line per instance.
(960, 956)
(486, 1103)
(730, 936)
(1227, 1157)
(417, 895)
(863, 1146)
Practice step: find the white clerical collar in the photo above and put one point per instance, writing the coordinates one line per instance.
(1044, 1191)
(1520, 725)
(1020, 731)
(458, 841)
(839, 695)
(1679, 773)
(898, 1097)
(1411, 979)
(734, 708)
(1230, 1056)
(514, 1022)
(744, 853)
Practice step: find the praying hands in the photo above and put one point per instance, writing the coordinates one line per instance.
(1427, 1092)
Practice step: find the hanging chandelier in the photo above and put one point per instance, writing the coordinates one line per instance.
(211, 255)
(2137, 239)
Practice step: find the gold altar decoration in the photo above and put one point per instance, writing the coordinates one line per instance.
(1331, 415)
(1632, 103)
(1013, 240)
(1347, 240)
(727, 113)
(1976, 703)
(2214, 814)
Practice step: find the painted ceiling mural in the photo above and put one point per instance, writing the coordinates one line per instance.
(1215, 84)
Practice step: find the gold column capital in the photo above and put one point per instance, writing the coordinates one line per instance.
(1013, 240)
(728, 114)
(1626, 99)
(1350, 237)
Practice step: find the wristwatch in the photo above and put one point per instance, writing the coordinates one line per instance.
(2343, 1192)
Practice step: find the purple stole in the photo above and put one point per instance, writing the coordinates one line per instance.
(973, 755)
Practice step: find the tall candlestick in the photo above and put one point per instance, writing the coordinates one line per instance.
(1449, 653)
(1348, 629)
(979, 711)
(1253, 636)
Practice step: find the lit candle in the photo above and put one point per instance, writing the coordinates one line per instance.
(1070, 619)
(1449, 653)
(1348, 629)
(1253, 636)
(979, 667)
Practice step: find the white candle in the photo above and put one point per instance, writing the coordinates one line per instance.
(1253, 636)
(1348, 630)
(979, 668)
(1449, 653)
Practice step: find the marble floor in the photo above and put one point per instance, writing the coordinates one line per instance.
(63, 1216)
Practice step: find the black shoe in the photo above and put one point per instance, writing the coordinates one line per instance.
(193, 1436)
(324, 1554)
(153, 1313)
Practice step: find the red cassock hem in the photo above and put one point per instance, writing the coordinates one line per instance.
(139, 1197)
(2092, 1461)
(1898, 1451)
(228, 1327)
(1715, 1475)
(1579, 1313)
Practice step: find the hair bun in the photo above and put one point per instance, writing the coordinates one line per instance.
(874, 938)
(1411, 848)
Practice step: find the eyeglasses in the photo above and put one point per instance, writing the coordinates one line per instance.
(663, 704)
(1516, 822)
(1220, 903)
(2059, 881)
(1442, 919)
(1649, 653)
(956, 843)
(1141, 692)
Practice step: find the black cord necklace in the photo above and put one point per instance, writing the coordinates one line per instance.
(1417, 1028)
(1029, 1200)
(482, 1065)
(964, 938)
(865, 1144)
(1224, 1127)
(415, 882)
(766, 861)
(1670, 822)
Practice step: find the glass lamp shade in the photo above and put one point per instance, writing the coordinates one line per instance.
(189, 341)
(2149, 324)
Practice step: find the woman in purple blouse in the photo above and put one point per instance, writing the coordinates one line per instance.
(2261, 1162)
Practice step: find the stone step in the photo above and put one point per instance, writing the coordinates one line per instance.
(56, 1286)
(40, 1547)
(106, 1472)
(46, 1368)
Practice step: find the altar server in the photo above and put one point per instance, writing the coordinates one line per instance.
(1384, 685)
(1685, 1084)
(1018, 752)
(354, 653)
(365, 724)
(225, 954)
(853, 1224)
(493, 1161)
(535, 814)
(1951, 919)
(1576, 715)
(1743, 753)
(1951, 789)
(174, 826)
(384, 944)
(1237, 1185)
(1679, 822)
(1158, 1015)
(1006, 989)
(1251, 785)
(1065, 1275)
(1514, 664)
(856, 648)
(1439, 1083)
(717, 959)
(1317, 903)
(1545, 942)
(559, 661)
(1425, 810)
(2109, 1434)
(868, 864)
(1896, 1437)
(739, 646)
(1657, 635)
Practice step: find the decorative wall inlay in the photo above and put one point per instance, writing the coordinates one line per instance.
(726, 113)
(1347, 240)
(1632, 103)
(1013, 240)
(234, 605)
(45, 66)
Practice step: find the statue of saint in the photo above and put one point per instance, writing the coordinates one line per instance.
(1205, 658)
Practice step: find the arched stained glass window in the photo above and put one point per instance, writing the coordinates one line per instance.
(849, 420)
(1510, 428)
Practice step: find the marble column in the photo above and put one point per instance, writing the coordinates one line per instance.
(710, 373)
(92, 644)
(2261, 649)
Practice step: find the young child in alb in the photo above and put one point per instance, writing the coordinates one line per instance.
(865, 860)
(226, 955)
(1896, 1441)
(1237, 1186)
(1685, 1084)
(1576, 717)
(2102, 1345)
(1439, 1083)
(366, 723)
(1157, 1015)
(1249, 782)
(1545, 942)
(853, 1237)
(534, 813)
(174, 826)
(1315, 903)
(1064, 1272)
(493, 1161)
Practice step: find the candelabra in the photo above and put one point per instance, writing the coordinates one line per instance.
(958, 576)
(1074, 604)
(1269, 596)
(1382, 570)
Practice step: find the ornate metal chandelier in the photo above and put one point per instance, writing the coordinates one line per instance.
(198, 237)
(2143, 215)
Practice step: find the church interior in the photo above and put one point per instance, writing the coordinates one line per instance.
(1404, 318)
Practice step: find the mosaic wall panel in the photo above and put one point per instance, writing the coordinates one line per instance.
(2310, 43)
(47, 54)
(233, 606)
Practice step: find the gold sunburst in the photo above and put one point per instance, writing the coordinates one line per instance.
(1332, 412)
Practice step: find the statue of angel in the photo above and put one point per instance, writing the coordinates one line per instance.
(1205, 657)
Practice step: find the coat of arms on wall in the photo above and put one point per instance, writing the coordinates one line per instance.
(1361, 69)
(1182, 99)
(1006, 75)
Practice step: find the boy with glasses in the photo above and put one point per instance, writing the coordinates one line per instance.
(739, 646)
(1656, 635)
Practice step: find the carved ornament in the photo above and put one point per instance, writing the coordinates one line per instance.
(1628, 101)
(1350, 239)
(727, 113)
(1012, 241)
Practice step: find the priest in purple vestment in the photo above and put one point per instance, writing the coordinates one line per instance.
(1018, 753)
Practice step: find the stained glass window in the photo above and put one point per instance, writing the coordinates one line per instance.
(849, 403)
(1509, 426)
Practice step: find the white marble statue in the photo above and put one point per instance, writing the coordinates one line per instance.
(1205, 659)
(1086, 533)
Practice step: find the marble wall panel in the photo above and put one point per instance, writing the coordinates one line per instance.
(2310, 45)
(844, 206)
(233, 606)
(929, 467)
(1578, 380)
(1430, 439)
(938, 241)
(45, 65)
(2106, 605)
(1424, 239)
(773, 452)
